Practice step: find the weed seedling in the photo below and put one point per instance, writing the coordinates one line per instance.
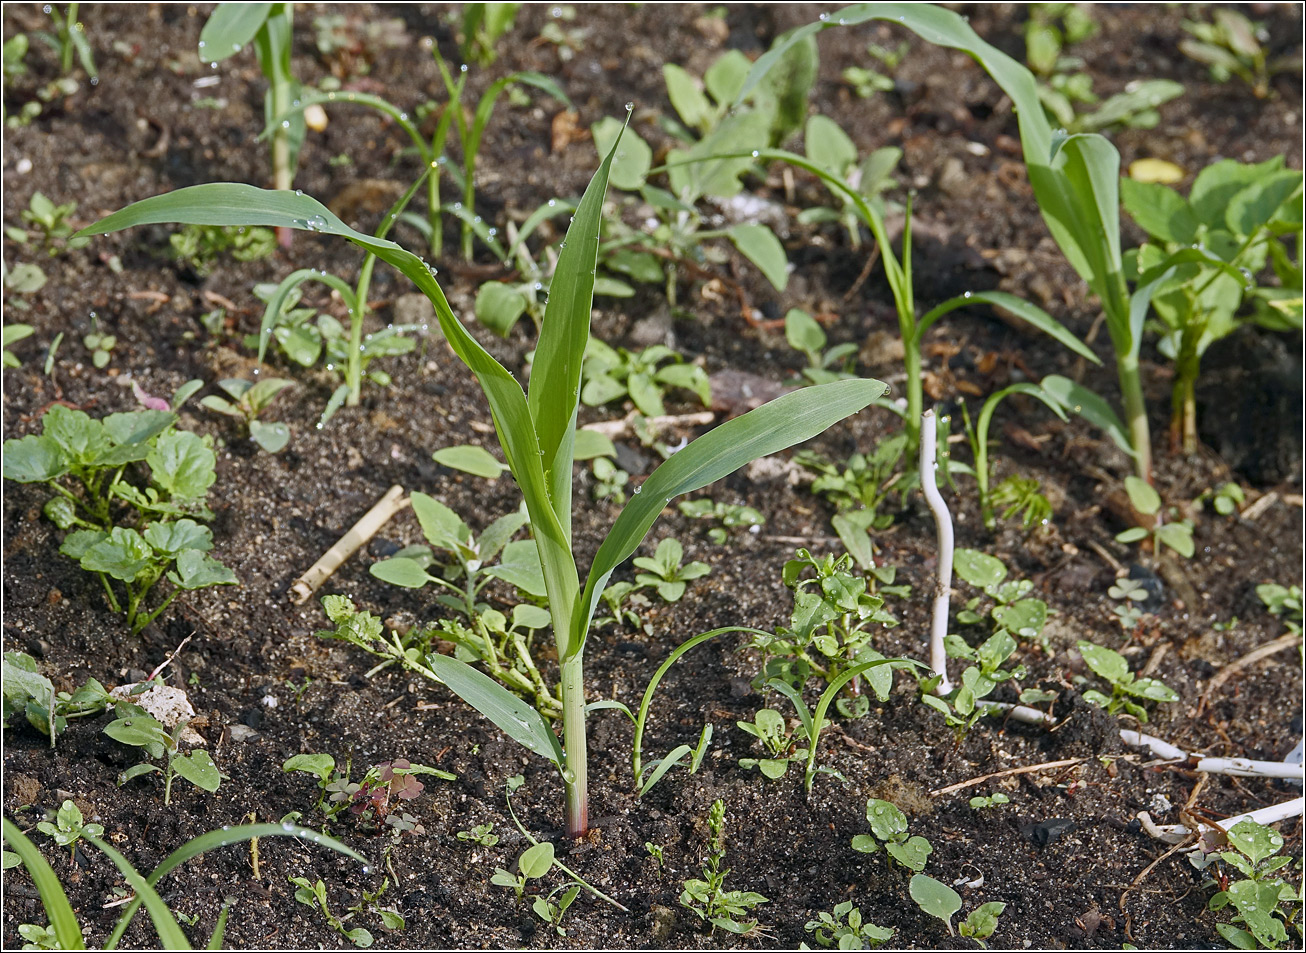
(1127, 591)
(134, 727)
(1111, 666)
(69, 827)
(942, 902)
(1226, 500)
(781, 744)
(69, 39)
(537, 433)
(52, 222)
(26, 690)
(1231, 46)
(1261, 902)
(804, 334)
(480, 834)
(1012, 610)
(610, 375)
(656, 852)
(313, 895)
(708, 897)
(977, 681)
(101, 347)
(846, 930)
(200, 246)
(729, 515)
(13, 333)
(829, 147)
(250, 400)
(983, 802)
(1178, 536)
(1285, 601)
(858, 488)
(664, 571)
(889, 828)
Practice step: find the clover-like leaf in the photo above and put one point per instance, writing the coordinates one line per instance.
(197, 570)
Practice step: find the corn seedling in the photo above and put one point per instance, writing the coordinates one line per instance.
(69, 39)
(537, 433)
(269, 26)
(67, 932)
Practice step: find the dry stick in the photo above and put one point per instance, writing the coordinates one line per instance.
(1265, 651)
(347, 545)
(1129, 923)
(1027, 769)
(164, 664)
(943, 527)
(625, 426)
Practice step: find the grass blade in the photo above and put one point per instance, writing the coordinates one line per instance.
(1025, 310)
(165, 924)
(224, 838)
(55, 901)
(770, 428)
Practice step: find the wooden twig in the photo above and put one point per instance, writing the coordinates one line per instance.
(1252, 657)
(1027, 769)
(1255, 510)
(164, 664)
(612, 429)
(347, 545)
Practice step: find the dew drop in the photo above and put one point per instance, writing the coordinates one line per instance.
(638, 488)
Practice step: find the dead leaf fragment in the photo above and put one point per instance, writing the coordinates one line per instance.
(566, 129)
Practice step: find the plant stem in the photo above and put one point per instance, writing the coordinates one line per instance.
(1131, 394)
(574, 744)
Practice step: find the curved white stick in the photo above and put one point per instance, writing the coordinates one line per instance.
(943, 525)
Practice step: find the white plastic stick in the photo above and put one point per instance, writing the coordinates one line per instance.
(943, 526)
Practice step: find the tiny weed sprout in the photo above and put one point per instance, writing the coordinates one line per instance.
(846, 930)
(1178, 536)
(537, 432)
(1216, 243)
(782, 745)
(1127, 591)
(1285, 601)
(66, 933)
(51, 221)
(1226, 500)
(482, 834)
(101, 347)
(1261, 902)
(69, 39)
(655, 851)
(1111, 666)
(200, 246)
(96, 454)
(313, 895)
(69, 826)
(981, 802)
(134, 727)
(729, 515)
(708, 897)
(250, 400)
(665, 573)
(889, 828)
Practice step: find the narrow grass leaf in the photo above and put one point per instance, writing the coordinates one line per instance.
(165, 924)
(57, 908)
(1025, 310)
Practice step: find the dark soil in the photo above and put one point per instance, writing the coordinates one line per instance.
(142, 131)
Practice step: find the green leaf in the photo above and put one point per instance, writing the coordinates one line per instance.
(123, 554)
(632, 160)
(1107, 663)
(34, 459)
(759, 245)
(828, 145)
(81, 439)
(1216, 185)
(319, 765)
(138, 426)
(182, 466)
(470, 459)
(694, 109)
(886, 820)
(726, 76)
(1179, 537)
(517, 719)
(912, 853)
(197, 570)
(979, 569)
(1025, 618)
(271, 437)
(1142, 496)
(400, 571)
(442, 526)
(170, 539)
(712, 167)
(591, 444)
(77, 544)
(536, 861)
(139, 731)
(1257, 205)
(520, 566)
(1080, 400)
(803, 332)
(229, 28)
(1256, 841)
(934, 898)
(198, 768)
(1025, 310)
(1160, 211)
(499, 306)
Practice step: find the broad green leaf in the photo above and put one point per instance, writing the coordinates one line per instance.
(138, 426)
(530, 617)
(442, 527)
(979, 569)
(887, 821)
(470, 459)
(726, 76)
(712, 166)
(591, 444)
(124, 555)
(271, 437)
(1216, 185)
(517, 719)
(937, 899)
(1179, 537)
(1025, 618)
(498, 533)
(1142, 496)
(198, 768)
(781, 423)
(536, 861)
(1258, 204)
(499, 306)
(139, 731)
(34, 459)
(197, 570)
(1106, 662)
(182, 466)
(759, 245)
(81, 439)
(400, 571)
(912, 853)
(171, 538)
(1256, 841)
(1080, 400)
(632, 159)
(828, 145)
(229, 28)
(1160, 211)
(520, 566)
(682, 89)
(803, 333)
(319, 765)
(77, 543)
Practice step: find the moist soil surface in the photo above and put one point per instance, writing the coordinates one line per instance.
(1060, 855)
